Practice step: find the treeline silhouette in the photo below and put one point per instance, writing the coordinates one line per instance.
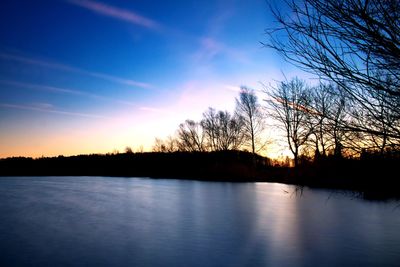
(371, 175)
(220, 165)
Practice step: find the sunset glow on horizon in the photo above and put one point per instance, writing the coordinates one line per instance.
(82, 77)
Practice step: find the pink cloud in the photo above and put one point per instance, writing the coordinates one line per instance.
(117, 13)
(233, 88)
(197, 95)
(58, 66)
(152, 109)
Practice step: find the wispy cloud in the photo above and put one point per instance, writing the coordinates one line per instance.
(67, 68)
(46, 106)
(210, 48)
(218, 22)
(49, 108)
(152, 109)
(118, 79)
(210, 45)
(117, 13)
(233, 88)
(195, 97)
(52, 89)
(55, 89)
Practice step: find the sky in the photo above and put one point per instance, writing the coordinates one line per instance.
(88, 76)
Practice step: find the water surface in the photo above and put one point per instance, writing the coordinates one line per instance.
(103, 221)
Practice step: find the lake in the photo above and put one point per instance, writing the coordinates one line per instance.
(107, 221)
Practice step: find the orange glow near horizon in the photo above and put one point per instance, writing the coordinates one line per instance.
(61, 134)
(131, 127)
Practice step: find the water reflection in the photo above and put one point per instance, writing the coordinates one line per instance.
(100, 221)
(277, 223)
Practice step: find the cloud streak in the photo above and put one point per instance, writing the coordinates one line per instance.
(54, 89)
(152, 109)
(48, 108)
(117, 13)
(210, 45)
(211, 48)
(63, 67)
(233, 88)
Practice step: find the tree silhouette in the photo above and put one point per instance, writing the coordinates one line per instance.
(328, 118)
(354, 44)
(249, 110)
(190, 136)
(289, 105)
(210, 128)
(222, 130)
(165, 146)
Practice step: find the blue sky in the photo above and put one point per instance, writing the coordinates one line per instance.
(83, 76)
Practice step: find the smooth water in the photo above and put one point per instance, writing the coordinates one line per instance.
(103, 221)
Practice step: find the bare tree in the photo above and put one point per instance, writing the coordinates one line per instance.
(222, 130)
(209, 124)
(328, 110)
(385, 120)
(354, 44)
(249, 110)
(289, 105)
(190, 136)
(165, 146)
(128, 150)
(337, 120)
(321, 103)
(230, 131)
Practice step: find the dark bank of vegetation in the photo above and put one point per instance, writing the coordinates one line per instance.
(371, 175)
(219, 165)
(343, 130)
